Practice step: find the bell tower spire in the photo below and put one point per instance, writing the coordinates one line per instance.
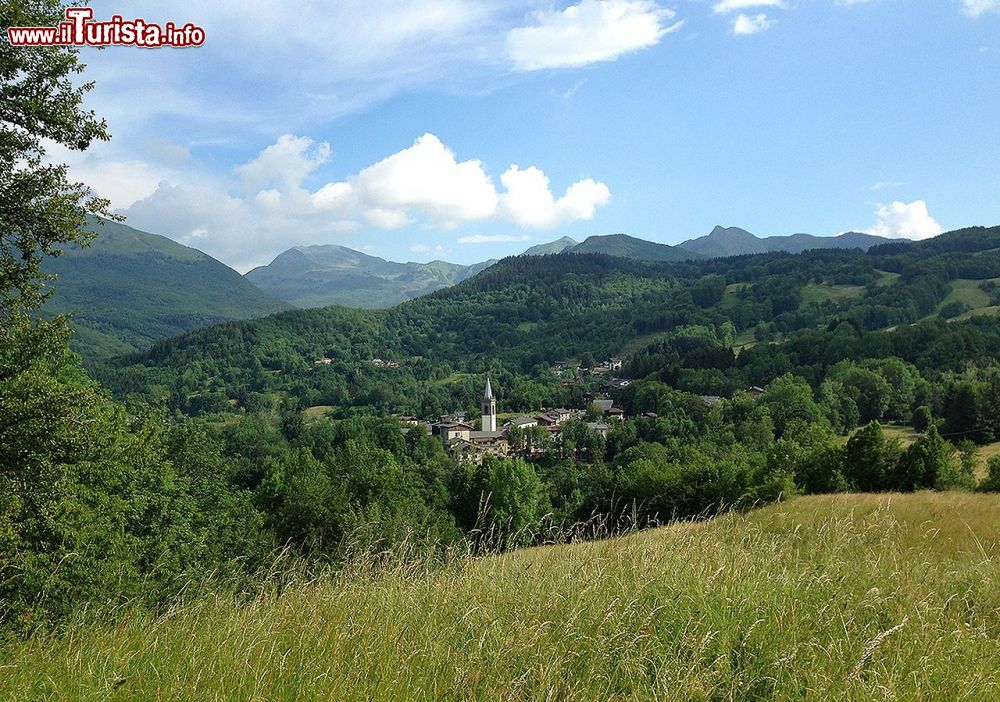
(489, 409)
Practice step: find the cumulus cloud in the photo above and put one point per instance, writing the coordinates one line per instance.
(734, 5)
(745, 25)
(424, 184)
(284, 164)
(426, 178)
(900, 220)
(530, 203)
(427, 181)
(592, 31)
(975, 8)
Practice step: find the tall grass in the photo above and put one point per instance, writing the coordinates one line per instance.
(847, 597)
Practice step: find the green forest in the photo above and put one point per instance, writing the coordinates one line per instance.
(202, 460)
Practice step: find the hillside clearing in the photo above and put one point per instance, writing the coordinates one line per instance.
(967, 292)
(819, 294)
(846, 597)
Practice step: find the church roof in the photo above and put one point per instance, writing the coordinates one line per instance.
(487, 435)
(489, 391)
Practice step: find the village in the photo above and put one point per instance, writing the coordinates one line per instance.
(518, 435)
(537, 432)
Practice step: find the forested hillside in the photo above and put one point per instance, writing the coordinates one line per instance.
(693, 324)
(128, 288)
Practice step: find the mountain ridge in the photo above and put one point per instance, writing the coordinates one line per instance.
(722, 242)
(331, 274)
(129, 289)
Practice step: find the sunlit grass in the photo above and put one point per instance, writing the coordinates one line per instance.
(847, 597)
(819, 294)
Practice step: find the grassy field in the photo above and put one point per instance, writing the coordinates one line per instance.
(967, 292)
(832, 293)
(821, 598)
(886, 278)
(316, 412)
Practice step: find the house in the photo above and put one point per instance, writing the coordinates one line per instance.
(449, 431)
(619, 384)
(711, 400)
(755, 391)
(603, 428)
(604, 405)
(554, 417)
(408, 419)
(615, 363)
(523, 423)
(609, 410)
(323, 361)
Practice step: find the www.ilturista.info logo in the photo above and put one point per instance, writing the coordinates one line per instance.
(80, 29)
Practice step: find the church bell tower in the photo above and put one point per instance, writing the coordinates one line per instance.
(489, 409)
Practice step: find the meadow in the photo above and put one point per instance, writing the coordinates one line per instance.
(855, 597)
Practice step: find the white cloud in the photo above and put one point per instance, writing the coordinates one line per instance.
(976, 8)
(425, 177)
(592, 31)
(491, 238)
(424, 184)
(530, 203)
(745, 25)
(886, 185)
(110, 173)
(284, 164)
(906, 221)
(734, 5)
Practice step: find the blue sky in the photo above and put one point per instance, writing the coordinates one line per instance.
(466, 130)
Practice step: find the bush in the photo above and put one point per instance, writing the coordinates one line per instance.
(922, 418)
(991, 483)
(953, 309)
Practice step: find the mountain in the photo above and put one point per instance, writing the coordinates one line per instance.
(733, 241)
(553, 247)
(130, 288)
(673, 318)
(317, 276)
(625, 246)
(723, 242)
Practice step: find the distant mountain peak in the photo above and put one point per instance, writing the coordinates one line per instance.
(553, 247)
(626, 246)
(734, 241)
(721, 231)
(331, 274)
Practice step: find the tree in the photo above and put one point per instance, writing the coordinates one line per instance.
(870, 460)
(991, 483)
(927, 463)
(789, 398)
(41, 208)
(922, 418)
(511, 500)
(868, 389)
(88, 502)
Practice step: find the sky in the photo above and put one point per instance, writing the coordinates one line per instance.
(466, 130)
